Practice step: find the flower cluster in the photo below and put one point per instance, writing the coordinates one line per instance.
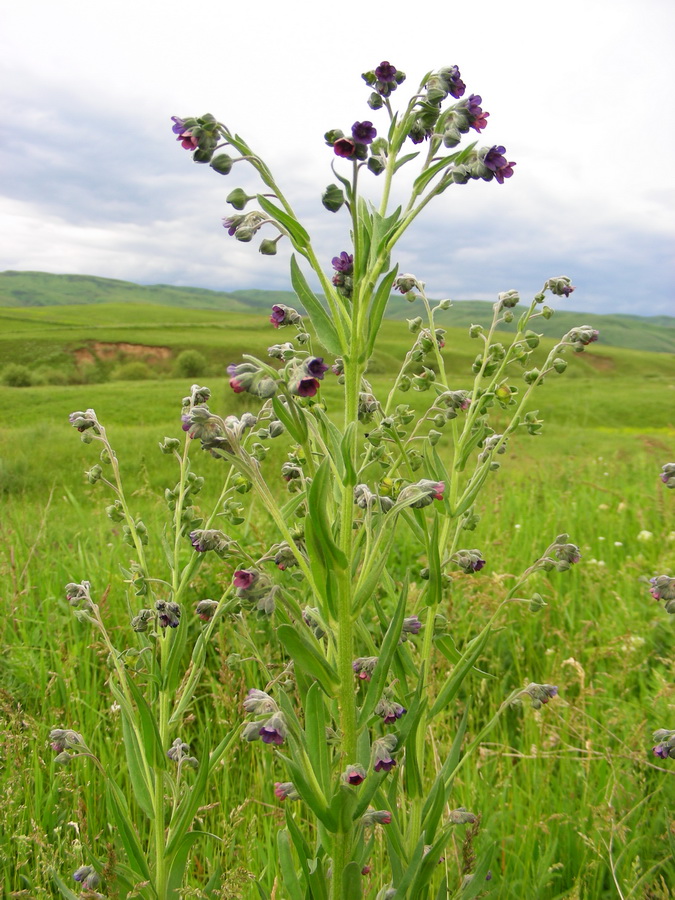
(384, 79)
(667, 475)
(364, 666)
(255, 588)
(539, 694)
(272, 729)
(204, 540)
(382, 750)
(665, 749)
(468, 560)
(663, 588)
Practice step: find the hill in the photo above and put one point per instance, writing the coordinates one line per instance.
(41, 290)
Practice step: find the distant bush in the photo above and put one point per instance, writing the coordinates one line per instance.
(16, 375)
(49, 375)
(91, 373)
(131, 371)
(190, 364)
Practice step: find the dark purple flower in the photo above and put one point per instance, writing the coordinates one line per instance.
(354, 775)
(363, 132)
(187, 140)
(384, 764)
(343, 263)
(494, 158)
(504, 172)
(178, 125)
(478, 117)
(185, 422)
(316, 367)
(232, 223)
(305, 387)
(274, 730)
(453, 81)
(168, 613)
(477, 565)
(278, 315)
(345, 147)
(385, 72)
(244, 578)
(396, 712)
(412, 625)
(661, 750)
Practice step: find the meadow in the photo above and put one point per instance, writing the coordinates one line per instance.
(571, 797)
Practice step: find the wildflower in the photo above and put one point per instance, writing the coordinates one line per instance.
(304, 387)
(450, 75)
(204, 540)
(421, 493)
(245, 578)
(663, 588)
(354, 775)
(363, 667)
(644, 536)
(561, 286)
(667, 476)
(284, 558)
(178, 750)
(386, 73)
(665, 749)
(284, 315)
(169, 613)
(363, 132)
(376, 817)
(411, 625)
(366, 499)
(540, 694)
(78, 594)
(567, 553)
(87, 877)
(476, 114)
(84, 420)
(316, 367)
(258, 702)
(496, 162)
(407, 283)
(206, 609)
(285, 790)
(343, 263)
(384, 79)
(141, 622)
(65, 739)
(345, 147)
(274, 730)
(468, 560)
(382, 749)
(390, 711)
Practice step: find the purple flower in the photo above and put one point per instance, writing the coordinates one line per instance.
(244, 578)
(478, 117)
(232, 223)
(345, 147)
(477, 565)
(385, 72)
(278, 315)
(187, 140)
(412, 625)
(168, 613)
(185, 422)
(494, 158)
(285, 790)
(363, 132)
(354, 775)
(305, 387)
(384, 764)
(343, 263)
(454, 84)
(504, 172)
(274, 730)
(662, 751)
(316, 367)
(178, 125)
(363, 667)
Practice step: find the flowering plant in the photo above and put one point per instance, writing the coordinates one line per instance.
(350, 722)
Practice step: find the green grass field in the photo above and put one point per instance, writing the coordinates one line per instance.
(575, 802)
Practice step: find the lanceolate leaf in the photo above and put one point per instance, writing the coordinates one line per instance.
(377, 309)
(306, 653)
(126, 831)
(323, 325)
(299, 236)
(459, 673)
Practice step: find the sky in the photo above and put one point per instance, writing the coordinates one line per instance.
(579, 93)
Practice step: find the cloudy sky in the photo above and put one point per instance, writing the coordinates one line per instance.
(579, 92)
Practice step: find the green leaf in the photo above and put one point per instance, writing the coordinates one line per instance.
(177, 638)
(64, 889)
(152, 742)
(404, 159)
(427, 175)
(377, 309)
(477, 884)
(306, 653)
(126, 832)
(289, 876)
(351, 880)
(429, 863)
(380, 674)
(315, 735)
(454, 681)
(323, 324)
(440, 790)
(184, 814)
(318, 511)
(346, 451)
(376, 570)
(411, 871)
(309, 793)
(177, 865)
(296, 427)
(135, 761)
(298, 235)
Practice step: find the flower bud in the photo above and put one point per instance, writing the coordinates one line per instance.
(509, 299)
(268, 247)
(559, 365)
(169, 445)
(238, 198)
(667, 475)
(94, 474)
(332, 198)
(141, 622)
(222, 164)
(475, 331)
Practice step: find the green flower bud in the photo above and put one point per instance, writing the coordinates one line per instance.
(202, 156)
(531, 376)
(238, 198)
(302, 337)
(94, 474)
(434, 437)
(332, 198)
(169, 444)
(546, 312)
(537, 602)
(531, 339)
(115, 511)
(559, 365)
(415, 324)
(376, 165)
(444, 304)
(268, 248)
(222, 164)
(375, 101)
(244, 234)
(475, 331)
(404, 384)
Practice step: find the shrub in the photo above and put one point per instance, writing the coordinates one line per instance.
(16, 375)
(132, 371)
(190, 364)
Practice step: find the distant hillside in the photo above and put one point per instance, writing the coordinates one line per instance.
(41, 289)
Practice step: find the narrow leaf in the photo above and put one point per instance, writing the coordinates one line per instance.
(323, 325)
(299, 236)
(454, 681)
(305, 651)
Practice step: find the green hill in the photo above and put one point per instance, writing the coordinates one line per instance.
(41, 291)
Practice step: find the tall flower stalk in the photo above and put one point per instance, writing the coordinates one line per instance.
(360, 632)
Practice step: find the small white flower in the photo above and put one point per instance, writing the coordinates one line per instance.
(645, 536)
(603, 506)
(618, 544)
(601, 538)
(517, 526)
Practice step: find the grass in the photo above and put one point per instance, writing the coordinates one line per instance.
(571, 797)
